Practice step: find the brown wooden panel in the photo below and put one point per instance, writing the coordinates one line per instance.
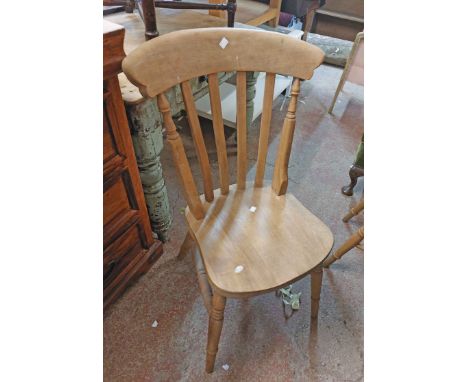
(347, 7)
(116, 200)
(113, 52)
(110, 146)
(112, 128)
(129, 247)
(139, 265)
(120, 254)
(338, 28)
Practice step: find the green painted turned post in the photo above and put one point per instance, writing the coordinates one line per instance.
(251, 82)
(146, 130)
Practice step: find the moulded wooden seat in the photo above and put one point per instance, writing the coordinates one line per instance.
(274, 239)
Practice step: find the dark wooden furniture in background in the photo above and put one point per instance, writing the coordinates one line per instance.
(356, 170)
(129, 246)
(147, 11)
(114, 6)
(341, 19)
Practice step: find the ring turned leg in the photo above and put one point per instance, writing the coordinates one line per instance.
(354, 173)
(349, 244)
(354, 211)
(214, 330)
(315, 289)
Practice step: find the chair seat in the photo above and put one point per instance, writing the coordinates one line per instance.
(253, 241)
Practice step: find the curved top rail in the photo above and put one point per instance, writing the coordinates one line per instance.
(163, 62)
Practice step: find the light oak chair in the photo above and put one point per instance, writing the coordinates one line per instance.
(146, 9)
(352, 241)
(251, 238)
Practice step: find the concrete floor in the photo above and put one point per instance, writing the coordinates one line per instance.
(257, 342)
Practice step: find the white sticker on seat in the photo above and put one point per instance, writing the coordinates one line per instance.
(239, 269)
(223, 43)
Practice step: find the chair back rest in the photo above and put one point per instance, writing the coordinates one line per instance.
(177, 57)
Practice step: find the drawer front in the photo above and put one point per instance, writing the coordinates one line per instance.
(110, 145)
(120, 256)
(129, 247)
(114, 153)
(118, 197)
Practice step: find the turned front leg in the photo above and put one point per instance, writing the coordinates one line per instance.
(315, 289)
(214, 330)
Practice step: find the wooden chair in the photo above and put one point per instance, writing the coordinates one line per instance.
(251, 239)
(253, 12)
(352, 241)
(249, 12)
(146, 9)
(354, 69)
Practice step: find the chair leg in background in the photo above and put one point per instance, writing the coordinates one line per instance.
(349, 244)
(354, 173)
(307, 23)
(214, 330)
(315, 289)
(337, 92)
(354, 211)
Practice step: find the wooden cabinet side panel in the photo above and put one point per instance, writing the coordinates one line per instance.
(129, 246)
(115, 106)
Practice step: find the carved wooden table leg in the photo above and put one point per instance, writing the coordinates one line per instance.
(146, 129)
(315, 289)
(214, 330)
(349, 244)
(354, 173)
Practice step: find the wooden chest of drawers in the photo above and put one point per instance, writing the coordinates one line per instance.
(129, 246)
